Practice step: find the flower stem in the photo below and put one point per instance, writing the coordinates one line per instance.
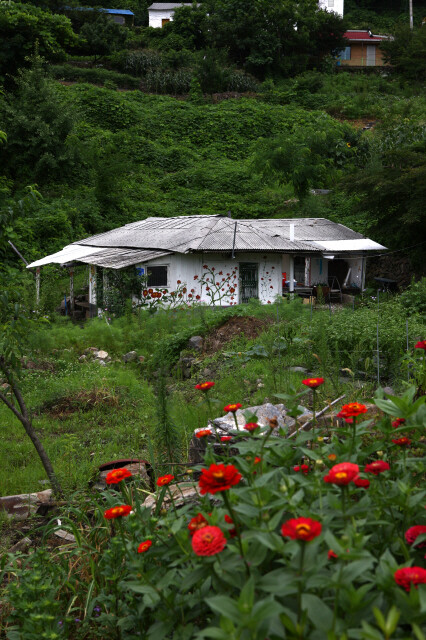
(237, 527)
(300, 585)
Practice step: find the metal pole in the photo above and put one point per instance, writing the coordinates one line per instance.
(233, 243)
(408, 367)
(71, 291)
(312, 299)
(410, 6)
(17, 252)
(378, 357)
(38, 286)
(291, 276)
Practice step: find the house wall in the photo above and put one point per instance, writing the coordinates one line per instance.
(332, 5)
(189, 270)
(156, 17)
(359, 55)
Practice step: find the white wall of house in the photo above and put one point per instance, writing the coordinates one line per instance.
(188, 271)
(156, 17)
(332, 5)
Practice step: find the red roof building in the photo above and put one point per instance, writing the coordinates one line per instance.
(363, 49)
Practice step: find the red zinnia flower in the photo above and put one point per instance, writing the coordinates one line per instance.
(197, 522)
(117, 512)
(304, 468)
(398, 422)
(402, 442)
(226, 438)
(257, 460)
(352, 410)
(361, 482)
(410, 576)
(332, 457)
(251, 426)
(342, 473)
(204, 386)
(313, 383)
(228, 519)
(412, 533)
(331, 554)
(301, 529)
(218, 477)
(343, 415)
(420, 345)
(144, 546)
(117, 475)
(232, 407)
(203, 433)
(208, 541)
(163, 480)
(376, 467)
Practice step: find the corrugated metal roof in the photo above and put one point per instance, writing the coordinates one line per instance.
(143, 240)
(363, 35)
(67, 254)
(164, 6)
(120, 258)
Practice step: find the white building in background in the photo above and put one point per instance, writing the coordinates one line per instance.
(332, 5)
(162, 12)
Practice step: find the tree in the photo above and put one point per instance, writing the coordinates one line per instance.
(13, 331)
(103, 36)
(283, 37)
(192, 24)
(25, 28)
(407, 52)
(38, 123)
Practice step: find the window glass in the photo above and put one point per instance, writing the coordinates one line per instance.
(157, 276)
(344, 54)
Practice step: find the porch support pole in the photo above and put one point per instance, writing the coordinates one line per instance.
(92, 288)
(363, 269)
(105, 289)
(71, 291)
(37, 286)
(307, 272)
(291, 276)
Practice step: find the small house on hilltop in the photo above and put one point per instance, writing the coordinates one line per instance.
(162, 12)
(216, 260)
(363, 49)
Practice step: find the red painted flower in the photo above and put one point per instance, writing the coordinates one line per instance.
(203, 433)
(364, 483)
(226, 438)
(413, 532)
(410, 576)
(304, 468)
(145, 293)
(301, 529)
(195, 277)
(198, 297)
(218, 477)
(331, 554)
(178, 282)
(208, 541)
(204, 386)
(117, 512)
(420, 345)
(232, 407)
(398, 422)
(117, 475)
(251, 426)
(162, 481)
(376, 467)
(196, 523)
(313, 383)
(144, 546)
(402, 442)
(342, 473)
(352, 410)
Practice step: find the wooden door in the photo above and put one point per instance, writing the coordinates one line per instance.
(249, 281)
(371, 55)
(164, 21)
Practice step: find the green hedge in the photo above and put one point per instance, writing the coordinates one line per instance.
(95, 76)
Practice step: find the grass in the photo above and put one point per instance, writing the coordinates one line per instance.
(87, 415)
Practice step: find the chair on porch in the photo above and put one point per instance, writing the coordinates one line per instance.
(335, 294)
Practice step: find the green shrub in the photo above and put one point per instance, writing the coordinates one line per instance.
(413, 300)
(96, 76)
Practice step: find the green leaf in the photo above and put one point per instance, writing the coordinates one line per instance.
(319, 613)
(224, 606)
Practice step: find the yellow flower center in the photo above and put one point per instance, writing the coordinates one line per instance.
(218, 475)
(303, 529)
(341, 475)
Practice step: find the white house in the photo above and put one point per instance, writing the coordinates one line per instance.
(220, 261)
(162, 12)
(332, 5)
